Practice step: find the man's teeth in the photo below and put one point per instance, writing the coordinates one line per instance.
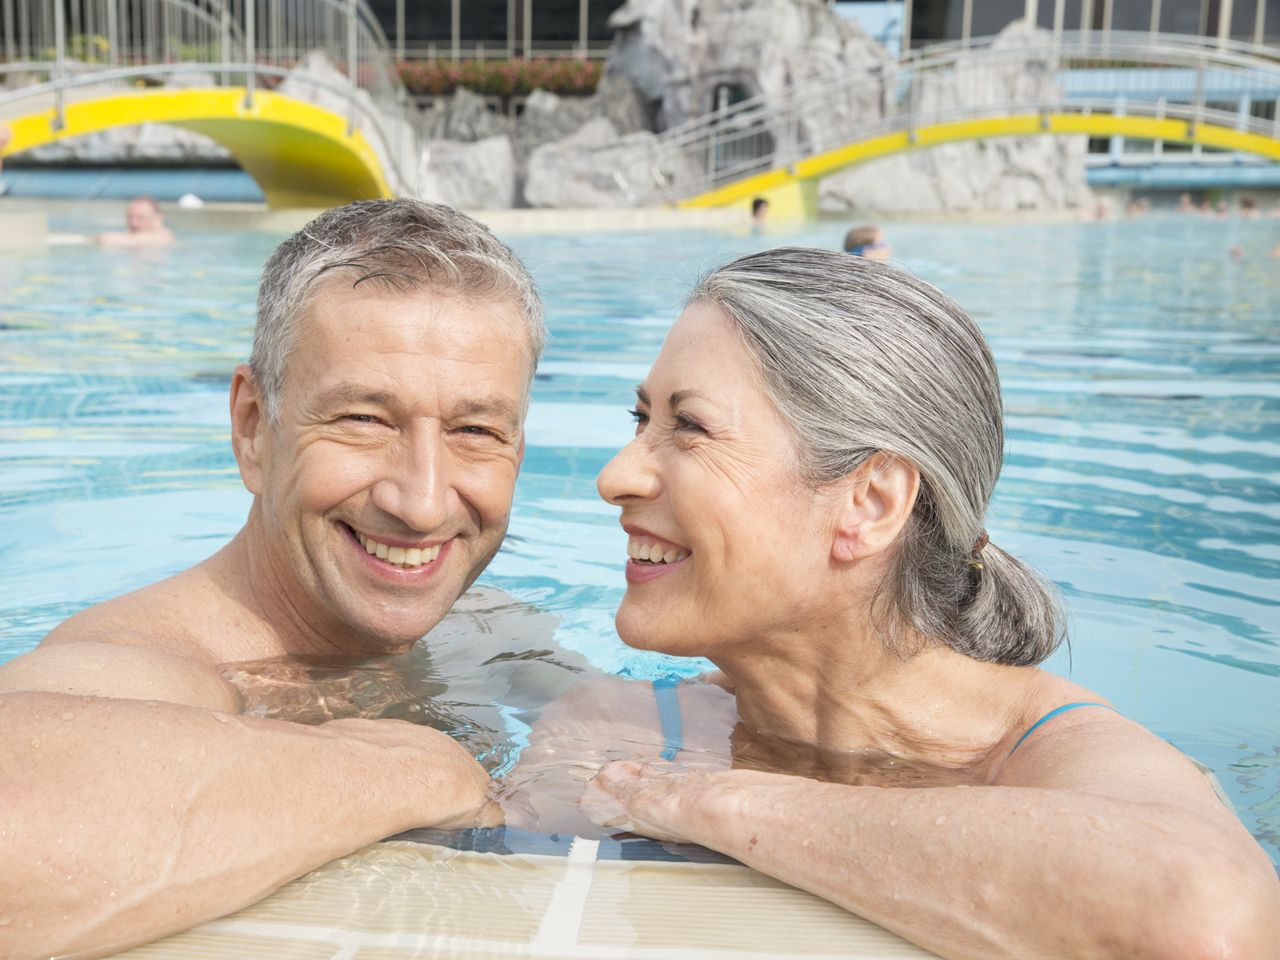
(653, 552)
(400, 556)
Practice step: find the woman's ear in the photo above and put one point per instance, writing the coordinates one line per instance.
(248, 428)
(876, 504)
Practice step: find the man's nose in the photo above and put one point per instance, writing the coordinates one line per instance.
(630, 475)
(416, 485)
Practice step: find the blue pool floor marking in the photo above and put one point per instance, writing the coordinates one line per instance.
(1053, 713)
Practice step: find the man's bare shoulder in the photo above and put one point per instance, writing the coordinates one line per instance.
(171, 616)
(156, 643)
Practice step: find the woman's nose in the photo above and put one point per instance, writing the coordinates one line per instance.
(630, 475)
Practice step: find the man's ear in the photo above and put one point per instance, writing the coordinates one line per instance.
(249, 428)
(874, 506)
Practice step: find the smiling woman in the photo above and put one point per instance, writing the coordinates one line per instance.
(815, 449)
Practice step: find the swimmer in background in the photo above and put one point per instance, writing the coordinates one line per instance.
(867, 241)
(146, 227)
(759, 214)
(1185, 204)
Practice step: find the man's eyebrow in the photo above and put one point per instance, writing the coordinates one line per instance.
(352, 393)
(490, 406)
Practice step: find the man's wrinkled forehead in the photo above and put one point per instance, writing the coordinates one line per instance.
(422, 300)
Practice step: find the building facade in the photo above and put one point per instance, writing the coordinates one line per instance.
(496, 29)
(922, 22)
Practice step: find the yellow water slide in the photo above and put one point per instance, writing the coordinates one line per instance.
(300, 155)
(792, 191)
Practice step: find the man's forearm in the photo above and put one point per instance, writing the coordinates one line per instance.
(122, 821)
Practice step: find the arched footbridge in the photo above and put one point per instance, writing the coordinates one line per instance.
(336, 130)
(1176, 89)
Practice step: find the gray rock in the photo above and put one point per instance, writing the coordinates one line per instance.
(593, 167)
(146, 142)
(467, 117)
(1001, 174)
(677, 53)
(473, 176)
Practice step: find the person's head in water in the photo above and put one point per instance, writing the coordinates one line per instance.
(143, 216)
(380, 421)
(867, 241)
(801, 370)
(759, 211)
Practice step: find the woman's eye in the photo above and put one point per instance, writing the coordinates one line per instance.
(684, 423)
(639, 416)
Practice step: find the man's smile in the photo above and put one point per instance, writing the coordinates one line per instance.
(397, 554)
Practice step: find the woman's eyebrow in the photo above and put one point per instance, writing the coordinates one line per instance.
(642, 394)
(680, 396)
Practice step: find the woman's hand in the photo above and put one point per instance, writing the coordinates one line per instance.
(668, 801)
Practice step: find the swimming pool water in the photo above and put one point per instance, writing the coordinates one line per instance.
(1139, 363)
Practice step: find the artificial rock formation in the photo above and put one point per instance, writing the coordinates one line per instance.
(1000, 174)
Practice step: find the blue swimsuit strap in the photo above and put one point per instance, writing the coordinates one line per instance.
(1053, 713)
(664, 692)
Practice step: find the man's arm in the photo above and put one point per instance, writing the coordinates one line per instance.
(123, 820)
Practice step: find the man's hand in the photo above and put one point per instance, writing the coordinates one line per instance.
(453, 790)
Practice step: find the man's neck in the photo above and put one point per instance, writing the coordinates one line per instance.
(273, 623)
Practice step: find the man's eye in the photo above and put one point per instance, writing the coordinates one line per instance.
(471, 430)
(360, 418)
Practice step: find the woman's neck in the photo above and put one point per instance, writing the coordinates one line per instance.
(850, 703)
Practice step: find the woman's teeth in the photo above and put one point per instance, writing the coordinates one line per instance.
(654, 553)
(400, 556)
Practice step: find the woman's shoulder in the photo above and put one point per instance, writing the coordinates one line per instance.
(1073, 738)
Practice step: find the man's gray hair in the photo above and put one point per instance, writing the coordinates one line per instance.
(860, 357)
(404, 245)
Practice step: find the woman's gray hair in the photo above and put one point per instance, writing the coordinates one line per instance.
(860, 357)
(405, 245)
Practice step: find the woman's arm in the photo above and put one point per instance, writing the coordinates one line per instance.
(1141, 861)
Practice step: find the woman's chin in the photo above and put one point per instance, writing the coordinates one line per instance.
(652, 630)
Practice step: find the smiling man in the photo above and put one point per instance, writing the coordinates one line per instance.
(379, 427)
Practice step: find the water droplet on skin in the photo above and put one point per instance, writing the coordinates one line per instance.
(68, 716)
(5, 921)
(940, 821)
(35, 743)
(220, 717)
(893, 823)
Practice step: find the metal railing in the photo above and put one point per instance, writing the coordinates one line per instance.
(55, 49)
(992, 77)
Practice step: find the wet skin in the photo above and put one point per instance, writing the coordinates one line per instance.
(393, 427)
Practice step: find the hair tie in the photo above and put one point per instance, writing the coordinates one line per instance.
(978, 547)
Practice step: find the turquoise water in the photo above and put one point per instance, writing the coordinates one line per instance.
(1139, 363)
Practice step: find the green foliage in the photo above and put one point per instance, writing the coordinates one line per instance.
(503, 78)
